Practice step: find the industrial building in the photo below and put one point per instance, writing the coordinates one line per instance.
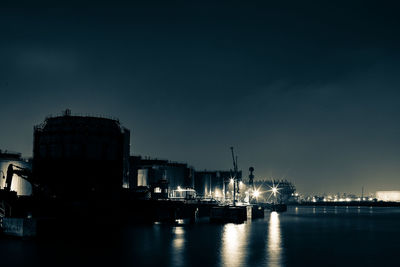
(146, 172)
(285, 190)
(214, 184)
(19, 185)
(81, 156)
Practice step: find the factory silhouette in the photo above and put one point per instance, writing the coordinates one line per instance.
(82, 168)
(79, 157)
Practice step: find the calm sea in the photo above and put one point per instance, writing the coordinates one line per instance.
(303, 236)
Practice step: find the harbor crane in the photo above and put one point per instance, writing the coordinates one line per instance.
(235, 177)
(24, 173)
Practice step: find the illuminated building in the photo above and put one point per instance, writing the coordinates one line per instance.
(211, 183)
(153, 173)
(285, 190)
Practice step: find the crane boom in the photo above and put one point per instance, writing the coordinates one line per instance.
(24, 173)
(235, 178)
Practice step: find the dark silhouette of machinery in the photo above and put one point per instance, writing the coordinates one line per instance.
(24, 173)
(8, 199)
(236, 178)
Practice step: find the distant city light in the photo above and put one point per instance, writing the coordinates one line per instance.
(388, 196)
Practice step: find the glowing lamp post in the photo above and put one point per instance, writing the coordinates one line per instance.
(274, 190)
(256, 194)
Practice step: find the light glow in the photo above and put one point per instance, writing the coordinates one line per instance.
(233, 244)
(256, 193)
(387, 196)
(274, 241)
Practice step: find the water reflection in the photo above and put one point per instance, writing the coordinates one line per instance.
(274, 241)
(178, 246)
(233, 245)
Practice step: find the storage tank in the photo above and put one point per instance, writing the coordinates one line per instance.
(81, 156)
(19, 185)
(145, 172)
(212, 183)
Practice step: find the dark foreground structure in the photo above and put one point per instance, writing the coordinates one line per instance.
(83, 176)
(77, 157)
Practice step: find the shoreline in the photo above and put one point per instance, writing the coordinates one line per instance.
(351, 204)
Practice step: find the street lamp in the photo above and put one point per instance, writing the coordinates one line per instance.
(256, 193)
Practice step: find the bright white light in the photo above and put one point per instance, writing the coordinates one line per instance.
(179, 188)
(387, 196)
(274, 190)
(232, 180)
(256, 193)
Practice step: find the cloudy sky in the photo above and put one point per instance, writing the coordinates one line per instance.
(304, 91)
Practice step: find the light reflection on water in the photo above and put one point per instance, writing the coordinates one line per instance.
(178, 246)
(274, 247)
(367, 236)
(233, 244)
(235, 251)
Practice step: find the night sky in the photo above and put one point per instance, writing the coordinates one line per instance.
(304, 91)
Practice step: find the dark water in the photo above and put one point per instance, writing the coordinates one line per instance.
(303, 236)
